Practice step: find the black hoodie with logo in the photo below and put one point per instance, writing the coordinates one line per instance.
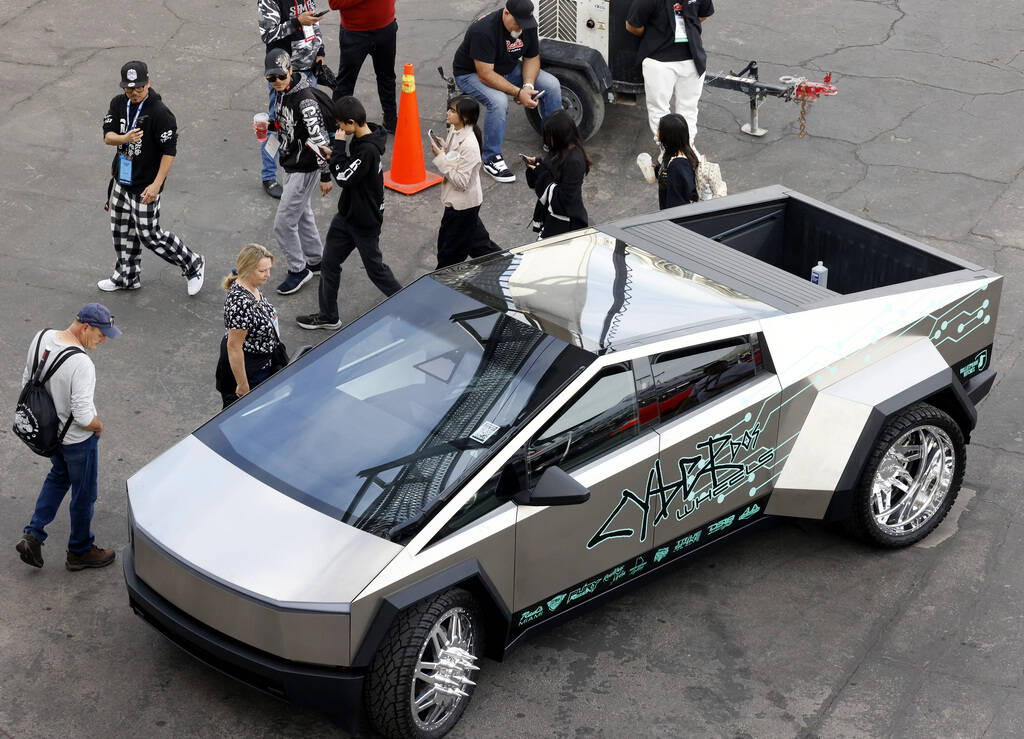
(298, 119)
(356, 167)
(159, 136)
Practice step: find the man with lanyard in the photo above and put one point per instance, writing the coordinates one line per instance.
(145, 134)
(291, 25)
(497, 61)
(673, 55)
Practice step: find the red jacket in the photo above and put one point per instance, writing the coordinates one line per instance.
(364, 15)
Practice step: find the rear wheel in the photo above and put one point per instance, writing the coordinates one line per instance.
(580, 100)
(912, 477)
(420, 681)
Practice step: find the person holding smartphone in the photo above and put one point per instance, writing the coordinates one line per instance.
(462, 234)
(557, 179)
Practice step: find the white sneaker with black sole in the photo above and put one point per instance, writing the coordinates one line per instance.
(497, 169)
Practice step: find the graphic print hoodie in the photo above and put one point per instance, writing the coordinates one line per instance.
(299, 119)
(356, 167)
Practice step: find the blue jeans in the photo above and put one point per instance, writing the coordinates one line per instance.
(269, 169)
(74, 466)
(496, 102)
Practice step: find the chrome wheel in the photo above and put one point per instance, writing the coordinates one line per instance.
(913, 480)
(443, 667)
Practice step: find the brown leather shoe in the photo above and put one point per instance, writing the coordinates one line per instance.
(95, 557)
(31, 550)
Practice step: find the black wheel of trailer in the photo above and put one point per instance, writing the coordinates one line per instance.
(421, 679)
(579, 98)
(911, 478)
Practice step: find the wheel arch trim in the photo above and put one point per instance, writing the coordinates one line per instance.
(468, 574)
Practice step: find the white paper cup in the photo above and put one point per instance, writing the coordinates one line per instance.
(643, 161)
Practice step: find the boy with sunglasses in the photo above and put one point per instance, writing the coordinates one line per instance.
(301, 130)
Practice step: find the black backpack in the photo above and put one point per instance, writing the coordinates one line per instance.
(35, 418)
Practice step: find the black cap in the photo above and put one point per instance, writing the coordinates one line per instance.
(277, 62)
(522, 11)
(134, 74)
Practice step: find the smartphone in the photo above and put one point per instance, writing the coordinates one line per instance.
(322, 13)
(540, 94)
(526, 159)
(316, 150)
(434, 137)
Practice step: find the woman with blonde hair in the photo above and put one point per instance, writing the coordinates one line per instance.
(251, 350)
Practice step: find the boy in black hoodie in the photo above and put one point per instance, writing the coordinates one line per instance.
(358, 171)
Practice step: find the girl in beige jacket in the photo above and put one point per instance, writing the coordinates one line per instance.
(462, 234)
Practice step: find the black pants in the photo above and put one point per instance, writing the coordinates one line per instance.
(380, 45)
(462, 234)
(342, 238)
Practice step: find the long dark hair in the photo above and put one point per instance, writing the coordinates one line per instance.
(468, 111)
(674, 135)
(561, 136)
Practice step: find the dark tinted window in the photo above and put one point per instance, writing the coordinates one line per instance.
(686, 378)
(601, 417)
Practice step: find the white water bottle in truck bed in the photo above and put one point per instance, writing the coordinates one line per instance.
(819, 274)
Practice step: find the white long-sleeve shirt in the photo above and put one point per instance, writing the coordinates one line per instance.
(72, 385)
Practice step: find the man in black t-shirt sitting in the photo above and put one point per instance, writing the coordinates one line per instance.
(673, 55)
(497, 61)
(145, 134)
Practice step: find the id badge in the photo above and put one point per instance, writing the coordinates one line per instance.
(272, 145)
(124, 169)
(680, 29)
(310, 34)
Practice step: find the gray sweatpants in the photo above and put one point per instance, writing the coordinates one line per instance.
(294, 225)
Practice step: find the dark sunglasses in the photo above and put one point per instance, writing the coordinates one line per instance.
(276, 77)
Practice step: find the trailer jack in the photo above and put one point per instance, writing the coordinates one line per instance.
(787, 88)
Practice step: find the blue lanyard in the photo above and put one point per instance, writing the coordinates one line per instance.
(128, 110)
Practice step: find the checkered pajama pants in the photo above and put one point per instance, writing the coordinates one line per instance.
(133, 225)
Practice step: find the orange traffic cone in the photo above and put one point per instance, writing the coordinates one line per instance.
(408, 173)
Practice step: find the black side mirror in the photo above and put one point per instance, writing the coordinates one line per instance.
(555, 487)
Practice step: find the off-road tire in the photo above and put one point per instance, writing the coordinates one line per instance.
(389, 683)
(584, 103)
(924, 420)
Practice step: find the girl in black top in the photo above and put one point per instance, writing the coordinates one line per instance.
(677, 174)
(251, 350)
(558, 178)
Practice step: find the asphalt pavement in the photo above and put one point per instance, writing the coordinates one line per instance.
(798, 631)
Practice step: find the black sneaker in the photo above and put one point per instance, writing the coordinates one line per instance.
(317, 320)
(497, 169)
(294, 281)
(273, 189)
(31, 550)
(314, 268)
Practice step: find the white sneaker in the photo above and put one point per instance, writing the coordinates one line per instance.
(195, 284)
(497, 169)
(109, 286)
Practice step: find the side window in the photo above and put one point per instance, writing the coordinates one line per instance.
(602, 416)
(686, 378)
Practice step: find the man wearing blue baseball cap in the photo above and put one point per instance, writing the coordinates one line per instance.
(74, 464)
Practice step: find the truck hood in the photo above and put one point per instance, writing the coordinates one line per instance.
(213, 517)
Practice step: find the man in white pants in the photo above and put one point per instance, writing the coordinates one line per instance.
(673, 55)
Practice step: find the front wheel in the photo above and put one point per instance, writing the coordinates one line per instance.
(583, 103)
(911, 479)
(420, 681)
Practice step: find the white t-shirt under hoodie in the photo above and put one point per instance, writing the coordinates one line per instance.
(72, 385)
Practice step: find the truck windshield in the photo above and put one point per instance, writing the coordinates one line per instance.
(381, 419)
